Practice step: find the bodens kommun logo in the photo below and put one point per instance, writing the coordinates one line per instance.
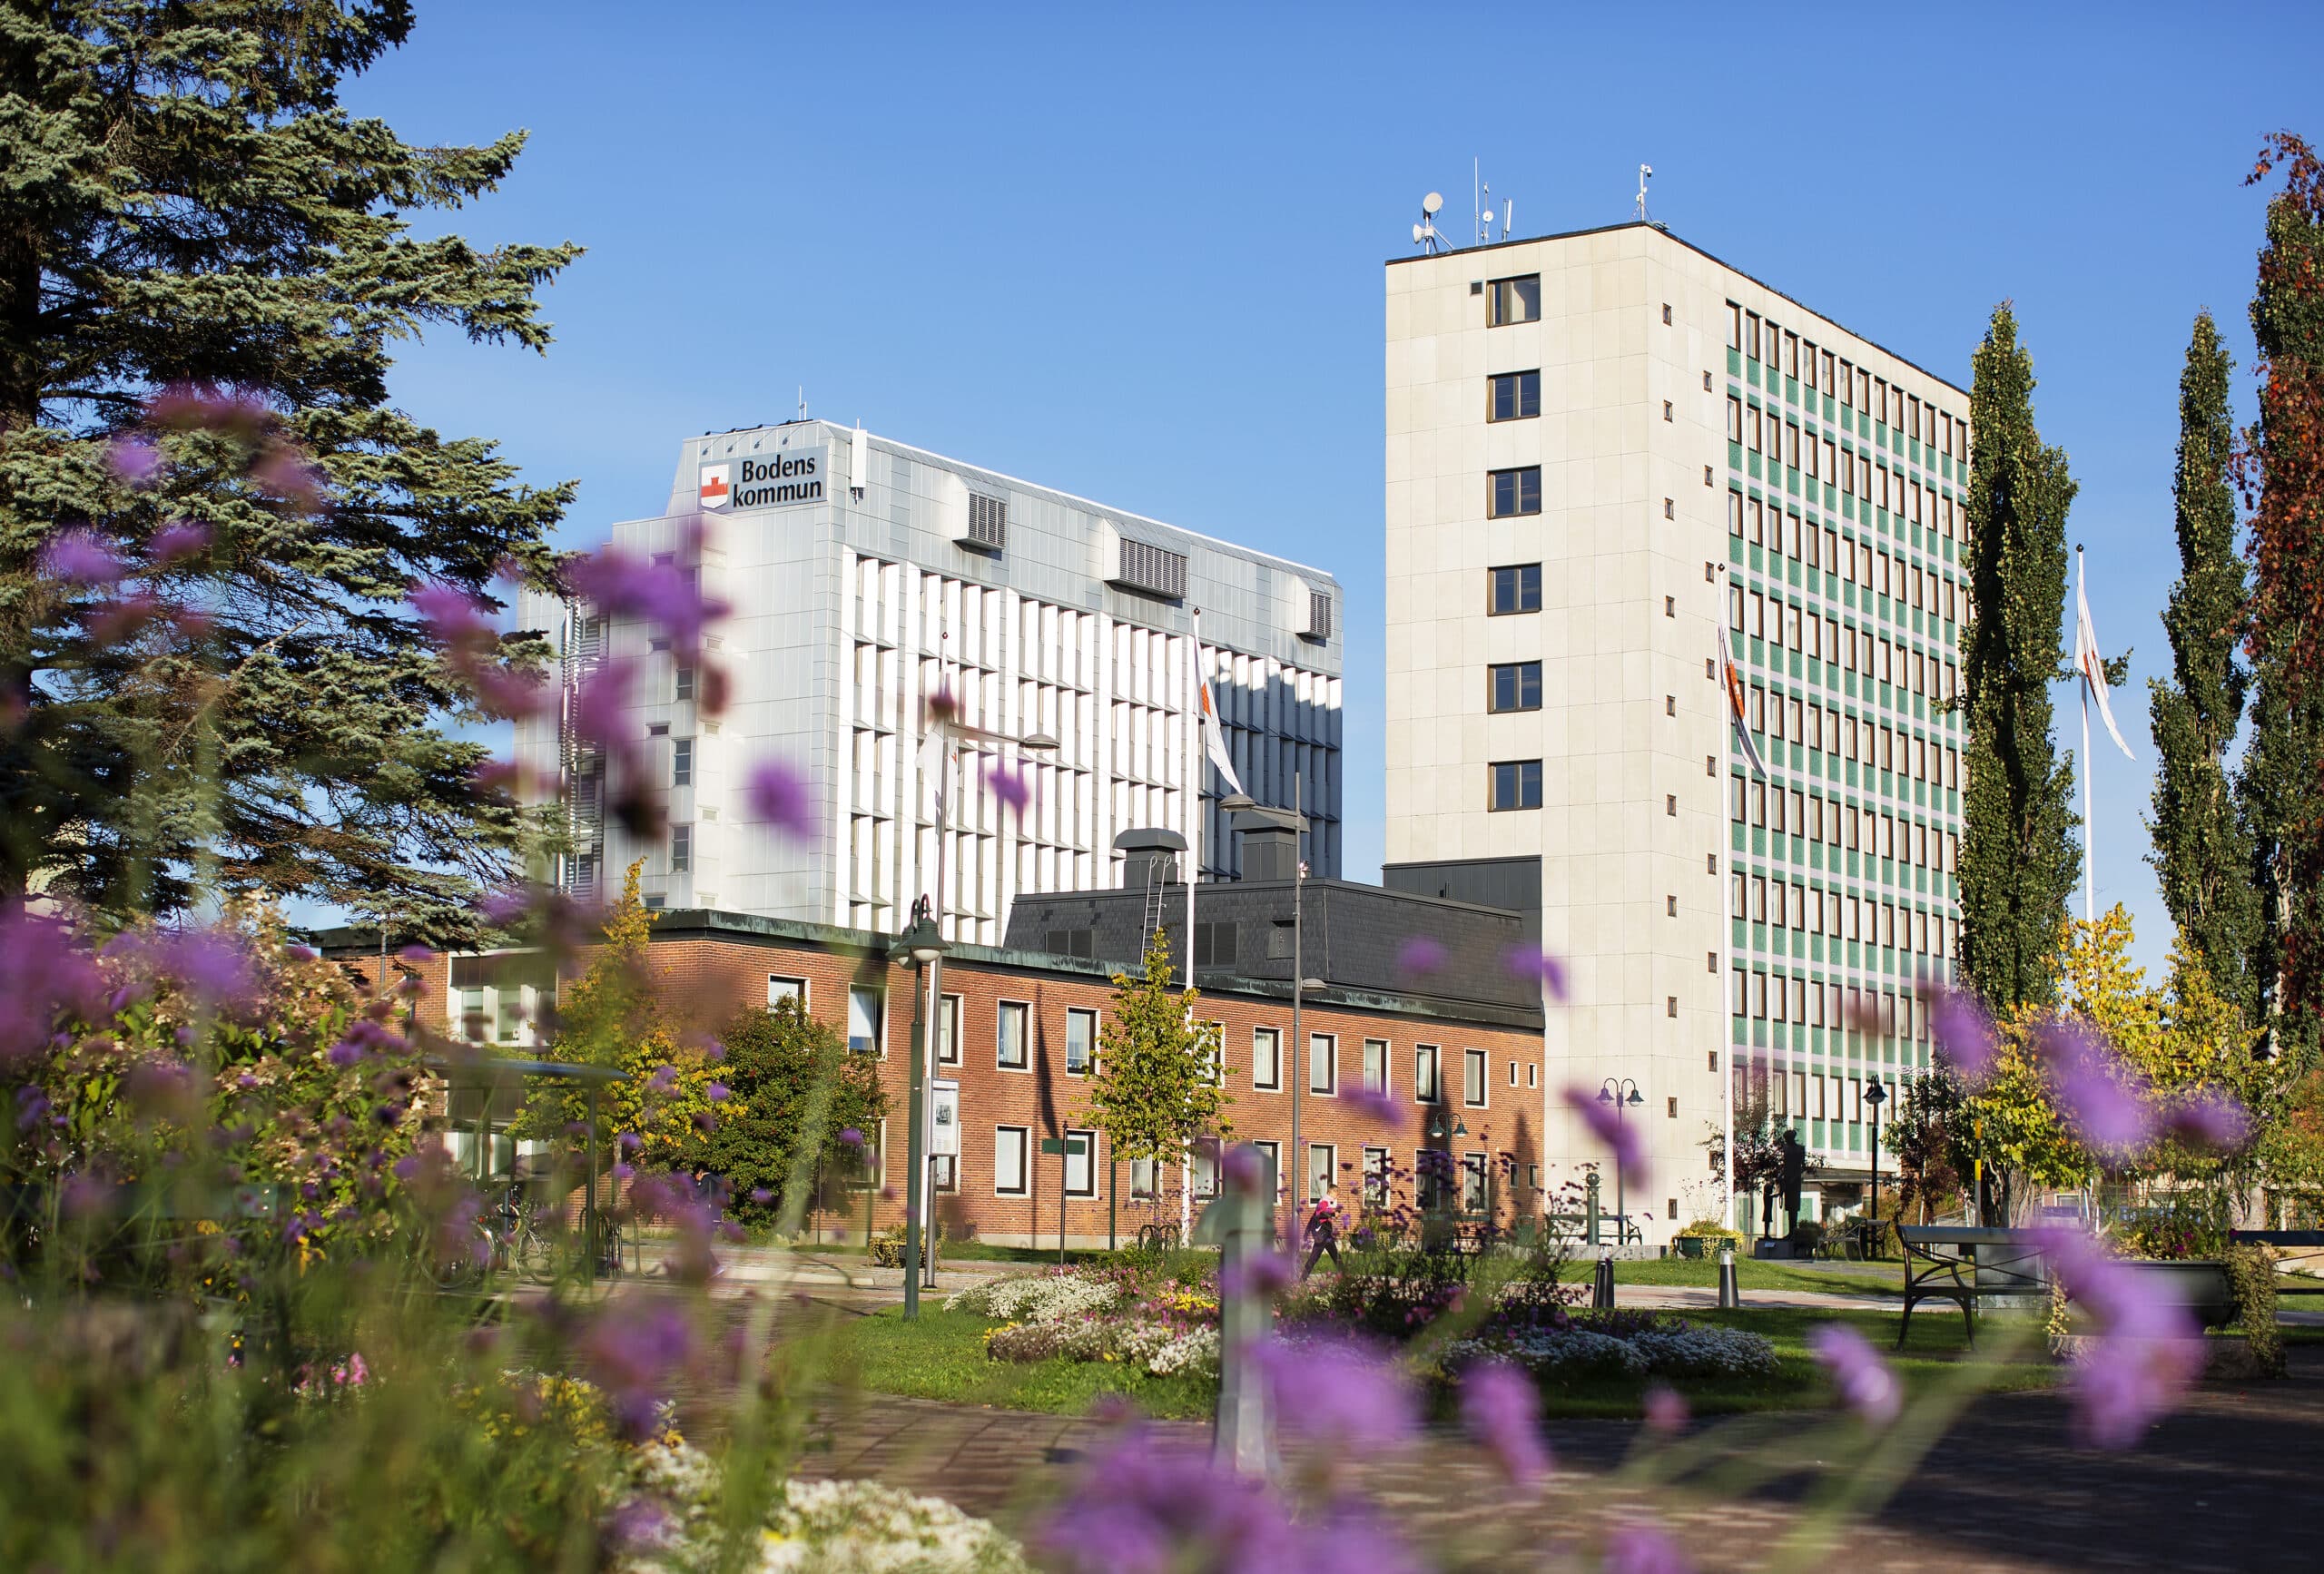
(764, 483)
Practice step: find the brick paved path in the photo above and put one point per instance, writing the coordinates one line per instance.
(2228, 1484)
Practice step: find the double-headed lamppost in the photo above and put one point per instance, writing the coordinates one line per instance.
(921, 947)
(1624, 1096)
(1300, 1056)
(1875, 1095)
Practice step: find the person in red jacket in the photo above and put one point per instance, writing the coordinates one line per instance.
(1323, 1234)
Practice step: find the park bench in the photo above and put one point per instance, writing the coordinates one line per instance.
(1960, 1262)
(2308, 1243)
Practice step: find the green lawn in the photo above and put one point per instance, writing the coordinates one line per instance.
(1876, 1278)
(942, 1357)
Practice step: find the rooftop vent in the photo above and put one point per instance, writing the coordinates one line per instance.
(988, 522)
(1149, 570)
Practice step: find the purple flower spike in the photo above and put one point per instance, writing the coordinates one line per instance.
(173, 544)
(1961, 1027)
(78, 557)
(1376, 1103)
(1343, 1395)
(851, 1138)
(134, 459)
(1265, 1274)
(2148, 1349)
(1867, 1385)
(1420, 956)
(1501, 1410)
(1010, 783)
(778, 794)
(1666, 1411)
(2107, 1097)
(1539, 967)
(717, 1093)
(1643, 1549)
(633, 1351)
(1625, 1137)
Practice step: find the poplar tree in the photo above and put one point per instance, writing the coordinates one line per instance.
(2284, 480)
(193, 217)
(2201, 850)
(2017, 855)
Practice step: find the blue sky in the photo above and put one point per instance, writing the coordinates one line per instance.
(1136, 255)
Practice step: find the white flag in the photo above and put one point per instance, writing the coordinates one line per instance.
(1733, 681)
(1214, 743)
(2091, 664)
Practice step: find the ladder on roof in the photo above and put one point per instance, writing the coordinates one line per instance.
(1159, 874)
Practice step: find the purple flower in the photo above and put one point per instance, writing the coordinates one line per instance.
(1420, 956)
(778, 794)
(2149, 1348)
(1377, 1103)
(1010, 783)
(601, 706)
(1501, 1410)
(1341, 1393)
(346, 1052)
(1265, 1274)
(78, 557)
(1538, 967)
(1643, 1549)
(850, 1136)
(1867, 1385)
(2211, 1117)
(134, 459)
(1959, 1024)
(173, 544)
(761, 1195)
(1623, 1136)
(1242, 1168)
(43, 972)
(1666, 1410)
(717, 1093)
(665, 595)
(2108, 1099)
(288, 473)
(633, 1351)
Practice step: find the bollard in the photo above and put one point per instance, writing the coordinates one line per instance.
(1730, 1294)
(1601, 1297)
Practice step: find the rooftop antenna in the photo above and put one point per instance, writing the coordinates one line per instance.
(1508, 215)
(803, 401)
(1424, 232)
(1645, 173)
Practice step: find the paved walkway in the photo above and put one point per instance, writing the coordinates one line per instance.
(2226, 1484)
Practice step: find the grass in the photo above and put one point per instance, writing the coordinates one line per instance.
(1875, 1278)
(942, 1357)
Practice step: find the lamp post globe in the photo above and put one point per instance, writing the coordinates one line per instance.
(1875, 1095)
(920, 946)
(1622, 1094)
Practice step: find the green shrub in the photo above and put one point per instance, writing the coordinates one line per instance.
(2251, 1275)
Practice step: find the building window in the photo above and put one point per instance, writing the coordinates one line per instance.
(1667, 413)
(1271, 1162)
(1081, 1168)
(474, 1023)
(1081, 1041)
(1426, 1089)
(1517, 299)
(1510, 493)
(1322, 1169)
(1376, 1178)
(1516, 397)
(1473, 1183)
(683, 684)
(1376, 1065)
(780, 988)
(864, 1013)
(1670, 1006)
(1202, 1171)
(1323, 1063)
(1009, 1036)
(1673, 1104)
(1514, 687)
(1472, 1078)
(681, 848)
(945, 1171)
(1517, 784)
(1215, 945)
(681, 762)
(1008, 1166)
(1516, 589)
(948, 1031)
(1266, 1057)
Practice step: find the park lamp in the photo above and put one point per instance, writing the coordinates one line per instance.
(1875, 1095)
(1607, 1095)
(922, 944)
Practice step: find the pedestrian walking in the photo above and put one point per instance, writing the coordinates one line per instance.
(1323, 1234)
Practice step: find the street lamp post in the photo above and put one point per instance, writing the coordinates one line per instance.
(1875, 1095)
(921, 947)
(1623, 1095)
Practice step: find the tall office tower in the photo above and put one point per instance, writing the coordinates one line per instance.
(865, 575)
(1604, 449)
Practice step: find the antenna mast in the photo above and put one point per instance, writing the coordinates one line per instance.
(1645, 172)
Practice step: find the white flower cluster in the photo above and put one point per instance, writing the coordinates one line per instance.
(812, 1527)
(1195, 1351)
(1036, 1297)
(1697, 1352)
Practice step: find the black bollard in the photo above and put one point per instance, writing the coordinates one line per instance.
(1730, 1293)
(1602, 1297)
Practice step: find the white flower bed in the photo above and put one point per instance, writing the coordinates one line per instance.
(1195, 1352)
(1036, 1297)
(812, 1527)
(1693, 1352)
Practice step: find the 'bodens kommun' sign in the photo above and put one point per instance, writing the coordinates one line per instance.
(780, 479)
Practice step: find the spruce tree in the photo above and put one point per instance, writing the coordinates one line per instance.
(2284, 483)
(204, 263)
(2017, 855)
(2202, 852)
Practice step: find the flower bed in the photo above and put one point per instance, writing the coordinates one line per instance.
(1079, 1315)
(1622, 1346)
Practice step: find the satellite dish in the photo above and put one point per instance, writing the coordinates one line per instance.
(1432, 203)
(1488, 215)
(1416, 234)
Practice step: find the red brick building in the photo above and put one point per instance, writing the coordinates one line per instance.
(1020, 1027)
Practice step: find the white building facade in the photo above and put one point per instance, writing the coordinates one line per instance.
(1601, 449)
(865, 576)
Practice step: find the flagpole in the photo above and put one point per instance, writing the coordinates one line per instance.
(1194, 865)
(2081, 598)
(1725, 960)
